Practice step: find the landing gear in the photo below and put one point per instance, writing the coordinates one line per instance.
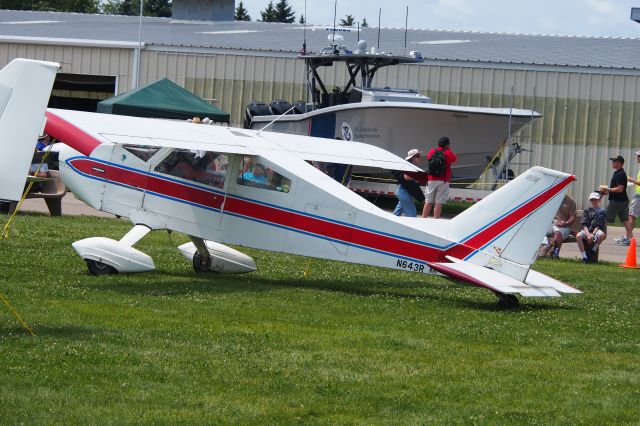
(201, 263)
(99, 268)
(507, 300)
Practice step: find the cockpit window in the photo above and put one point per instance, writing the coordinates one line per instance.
(254, 172)
(206, 167)
(143, 152)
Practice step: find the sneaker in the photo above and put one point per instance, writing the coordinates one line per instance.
(555, 254)
(617, 240)
(585, 260)
(624, 241)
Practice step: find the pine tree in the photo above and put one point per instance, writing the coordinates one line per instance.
(302, 21)
(160, 8)
(348, 21)
(364, 23)
(269, 14)
(241, 13)
(284, 12)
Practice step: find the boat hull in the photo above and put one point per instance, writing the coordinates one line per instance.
(475, 133)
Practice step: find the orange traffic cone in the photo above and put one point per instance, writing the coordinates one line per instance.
(630, 261)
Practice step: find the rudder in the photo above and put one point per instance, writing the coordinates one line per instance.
(25, 88)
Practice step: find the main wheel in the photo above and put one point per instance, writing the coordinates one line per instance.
(508, 301)
(99, 268)
(201, 263)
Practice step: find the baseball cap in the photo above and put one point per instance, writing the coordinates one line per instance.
(617, 158)
(637, 152)
(594, 196)
(412, 153)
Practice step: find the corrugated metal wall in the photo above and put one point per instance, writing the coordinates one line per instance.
(76, 59)
(588, 115)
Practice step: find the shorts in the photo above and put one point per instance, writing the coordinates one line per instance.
(599, 233)
(565, 231)
(618, 208)
(634, 209)
(437, 191)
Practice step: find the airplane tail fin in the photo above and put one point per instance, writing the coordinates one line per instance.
(496, 240)
(25, 88)
(510, 223)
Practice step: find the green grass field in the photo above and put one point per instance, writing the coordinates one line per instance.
(345, 344)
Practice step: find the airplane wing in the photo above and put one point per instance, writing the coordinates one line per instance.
(536, 284)
(117, 129)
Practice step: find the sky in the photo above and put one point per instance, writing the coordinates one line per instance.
(600, 18)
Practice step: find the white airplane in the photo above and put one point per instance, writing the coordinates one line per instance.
(224, 185)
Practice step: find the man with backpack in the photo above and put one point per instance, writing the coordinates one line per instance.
(439, 161)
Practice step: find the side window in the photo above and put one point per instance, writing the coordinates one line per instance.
(143, 152)
(253, 172)
(206, 167)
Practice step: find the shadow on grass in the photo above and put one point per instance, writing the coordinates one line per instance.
(65, 332)
(184, 284)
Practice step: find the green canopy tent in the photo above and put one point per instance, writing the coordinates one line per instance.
(162, 99)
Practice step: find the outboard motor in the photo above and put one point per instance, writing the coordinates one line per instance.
(255, 108)
(279, 107)
(301, 107)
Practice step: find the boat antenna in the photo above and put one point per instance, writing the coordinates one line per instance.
(406, 25)
(304, 41)
(379, 15)
(358, 32)
(276, 119)
(335, 10)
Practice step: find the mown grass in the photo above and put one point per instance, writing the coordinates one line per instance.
(345, 344)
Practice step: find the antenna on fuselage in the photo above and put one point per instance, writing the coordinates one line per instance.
(276, 119)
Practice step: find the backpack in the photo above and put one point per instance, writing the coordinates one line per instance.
(437, 163)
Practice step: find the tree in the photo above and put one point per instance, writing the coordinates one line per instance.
(77, 6)
(161, 8)
(302, 21)
(284, 12)
(348, 21)
(241, 13)
(269, 14)
(364, 23)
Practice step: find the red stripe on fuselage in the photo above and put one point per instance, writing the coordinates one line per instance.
(314, 225)
(148, 183)
(70, 134)
(332, 230)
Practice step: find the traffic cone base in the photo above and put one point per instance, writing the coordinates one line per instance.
(630, 262)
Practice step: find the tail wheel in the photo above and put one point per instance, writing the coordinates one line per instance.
(508, 301)
(99, 268)
(201, 263)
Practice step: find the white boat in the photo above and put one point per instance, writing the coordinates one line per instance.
(395, 120)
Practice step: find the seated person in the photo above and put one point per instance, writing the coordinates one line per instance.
(594, 227)
(43, 142)
(38, 170)
(257, 174)
(565, 216)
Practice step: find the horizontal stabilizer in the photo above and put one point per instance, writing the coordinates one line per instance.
(501, 283)
(539, 280)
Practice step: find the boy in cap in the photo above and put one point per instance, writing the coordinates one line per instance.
(594, 227)
(618, 199)
(408, 189)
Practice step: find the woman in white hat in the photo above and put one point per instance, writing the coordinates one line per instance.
(408, 189)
